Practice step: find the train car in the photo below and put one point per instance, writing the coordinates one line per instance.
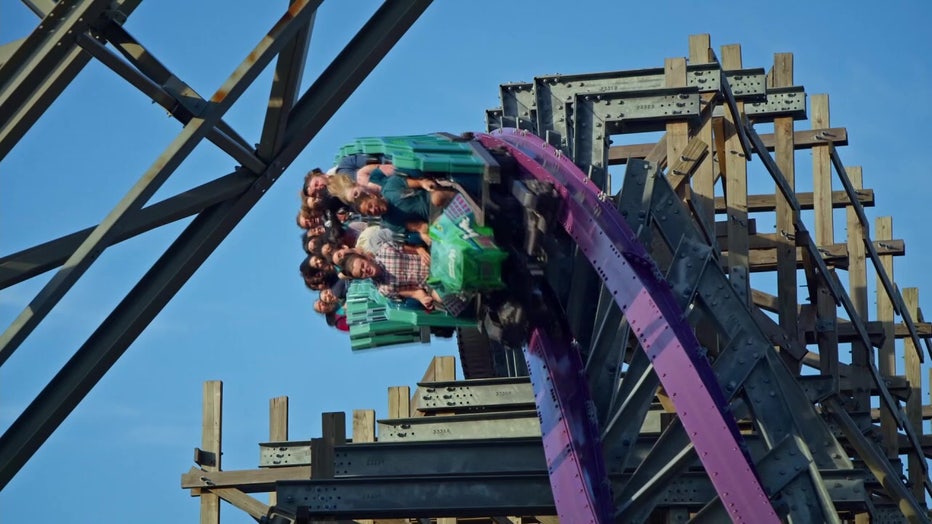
(487, 236)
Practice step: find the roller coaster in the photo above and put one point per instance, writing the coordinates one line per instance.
(665, 387)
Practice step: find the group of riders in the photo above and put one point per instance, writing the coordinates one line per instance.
(364, 219)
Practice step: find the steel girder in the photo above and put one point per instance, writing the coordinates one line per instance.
(290, 124)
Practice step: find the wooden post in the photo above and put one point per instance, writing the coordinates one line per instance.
(887, 357)
(914, 402)
(703, 181)
(363, 425)
(857, 290)
(784, 155)
(736, 188)
(826, 310)
(677, 132)
(399, 402)
(211, 444)
(278, 428)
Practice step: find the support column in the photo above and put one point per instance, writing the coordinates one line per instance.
(826, 310)
(736, 187)
(211, 445)
(784, 155)
(278, 428)
(914, 402)
(886, 362)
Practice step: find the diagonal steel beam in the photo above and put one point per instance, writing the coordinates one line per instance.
(233, 147)
(47, 45)
(60, 69)
(298, 15)
(285, 88)
(143, 60)
(25, 264)
(194, 245)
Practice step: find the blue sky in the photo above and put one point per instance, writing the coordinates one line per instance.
(245, 317)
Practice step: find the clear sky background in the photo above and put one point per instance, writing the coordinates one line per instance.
(245, 316)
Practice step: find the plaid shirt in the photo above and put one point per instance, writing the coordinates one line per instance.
(400, 271)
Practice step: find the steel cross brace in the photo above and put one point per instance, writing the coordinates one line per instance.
(95, 357)
(627, 270)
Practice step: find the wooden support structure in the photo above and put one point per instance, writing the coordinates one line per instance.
(811, 322)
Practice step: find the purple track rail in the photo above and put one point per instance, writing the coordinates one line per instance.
(660, 326)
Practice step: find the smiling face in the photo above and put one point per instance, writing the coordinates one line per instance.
(315, 186)
(362, 267)
(327, 297)
(372, 205)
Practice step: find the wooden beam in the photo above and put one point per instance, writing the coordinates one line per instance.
(278, 429)
(886, 358)
(914, 402)
(246, 480)
(703, 179)
(765, 258)
(857, 289)
(765, 203)
(399, 402)
(677, 132)
(736, 187)
(805, 139)
(253, 507)
(211, 429)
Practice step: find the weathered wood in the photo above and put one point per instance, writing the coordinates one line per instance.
(246, 480)
(242, 501)
(914, 402)
(886, 358)
(211, 429)
(764, 203)
(677, 131)
(805, 139)
(765, 258)
(278, 429)
(399, 402)
(363, 425)
(736, 187)
(363, 431)
(857, 290)
(685, 167)
(784, 155)
(703, 180)
(822, 174)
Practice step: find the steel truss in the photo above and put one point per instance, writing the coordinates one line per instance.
(71, 33)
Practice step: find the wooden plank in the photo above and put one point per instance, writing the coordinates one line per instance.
(803, 139)
(784, 155)
(886, 361)
(822, 174)
(736, 187)
(242, 501)
(765, 258)
(914, 402)
(686, 166)
(278, 429)
(857, 290)
(363, 425)
(703, 181)
(399, 402)
(246, 480)
(677, 131)
(364, 431)
(764, 203)
(211, 429)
